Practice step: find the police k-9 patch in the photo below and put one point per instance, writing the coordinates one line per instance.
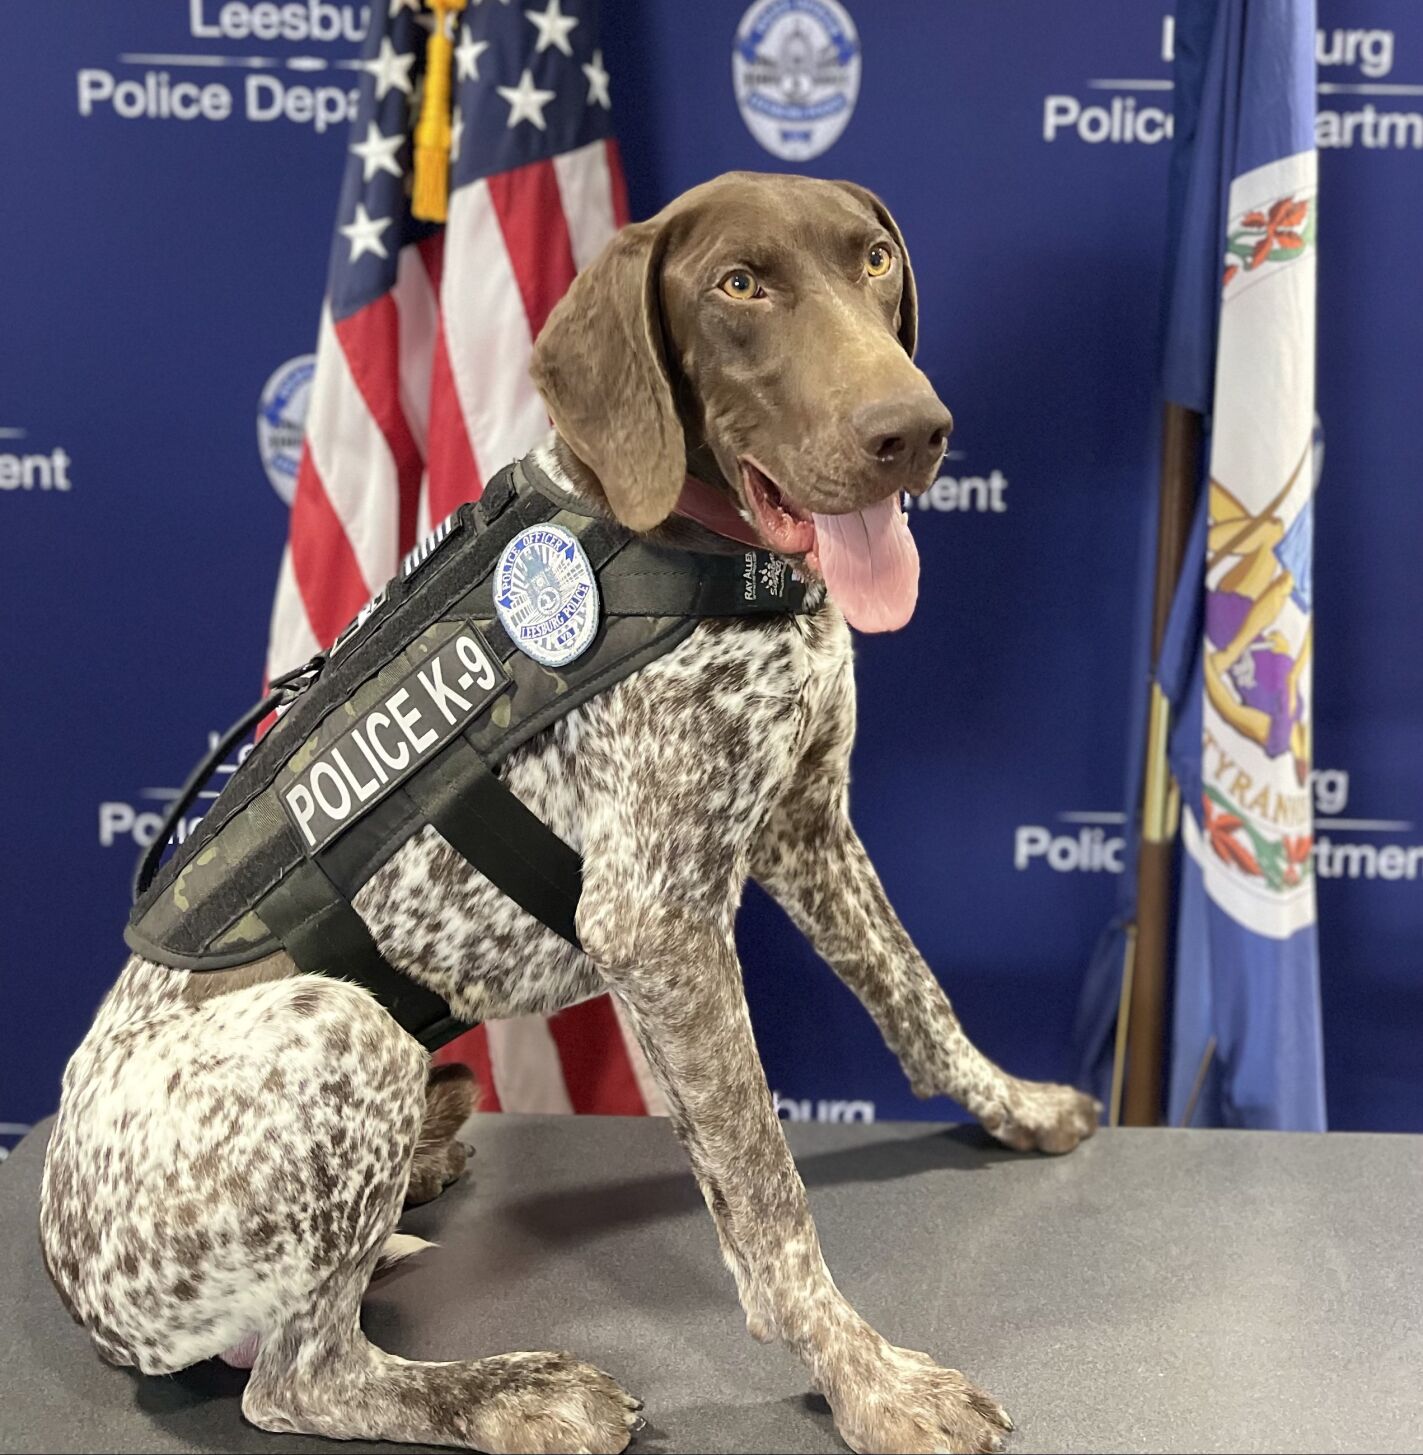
(546, 595)
(401, 733)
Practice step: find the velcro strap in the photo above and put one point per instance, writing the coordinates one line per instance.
(324, 935)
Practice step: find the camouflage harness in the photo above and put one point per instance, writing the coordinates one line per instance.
(405, 723)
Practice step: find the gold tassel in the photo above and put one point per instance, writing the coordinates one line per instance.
(430, 193)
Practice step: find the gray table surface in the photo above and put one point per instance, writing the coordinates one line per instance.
(1187, 1291)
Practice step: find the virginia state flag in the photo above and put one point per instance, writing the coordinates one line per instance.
(1238, 658)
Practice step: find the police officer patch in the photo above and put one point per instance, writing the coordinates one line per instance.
(546, 595)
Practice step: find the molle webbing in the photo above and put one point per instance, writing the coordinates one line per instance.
(245, 883)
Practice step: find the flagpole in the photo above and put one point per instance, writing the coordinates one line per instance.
(1143, 1000)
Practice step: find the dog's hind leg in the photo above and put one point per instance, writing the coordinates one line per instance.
(316, 1373)
(219, 1154)
(223, 1177)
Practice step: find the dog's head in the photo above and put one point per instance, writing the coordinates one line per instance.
(759, 331)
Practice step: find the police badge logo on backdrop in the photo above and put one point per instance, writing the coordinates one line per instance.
(281, 422)
(796, 69)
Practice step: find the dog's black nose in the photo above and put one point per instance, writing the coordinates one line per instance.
(903, 432)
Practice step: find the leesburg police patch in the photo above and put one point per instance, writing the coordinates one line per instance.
(546, 595)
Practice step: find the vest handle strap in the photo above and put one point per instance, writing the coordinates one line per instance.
(281, 691)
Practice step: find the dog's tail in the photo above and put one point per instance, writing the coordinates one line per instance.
(397, 1248)
(450, 1096)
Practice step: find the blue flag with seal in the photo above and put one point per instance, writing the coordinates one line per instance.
(1247, 1045)
(1247, 962)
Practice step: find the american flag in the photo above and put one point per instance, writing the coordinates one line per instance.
(422, 391)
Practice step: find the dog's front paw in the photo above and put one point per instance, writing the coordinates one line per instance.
(553, 1402)
(903, 1401)
(1041, 1116)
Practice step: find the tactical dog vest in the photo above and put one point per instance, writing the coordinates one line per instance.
(407, 721)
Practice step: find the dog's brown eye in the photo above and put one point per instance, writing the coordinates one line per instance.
(739, 284)
(879, 261)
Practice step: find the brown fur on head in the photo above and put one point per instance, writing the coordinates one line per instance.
(762, 325)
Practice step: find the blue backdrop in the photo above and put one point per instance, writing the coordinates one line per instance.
(171, 173)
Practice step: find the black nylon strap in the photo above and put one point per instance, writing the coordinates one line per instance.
(364, 849)
(482, 820)
(325, 936)
(601, 541)
(647, 580)
(639, 579)
(727, 593)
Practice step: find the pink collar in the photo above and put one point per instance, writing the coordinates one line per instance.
(706, 505)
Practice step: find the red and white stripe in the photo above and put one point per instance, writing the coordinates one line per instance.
(418, 399)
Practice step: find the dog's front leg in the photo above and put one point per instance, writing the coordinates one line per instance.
(678, 978)
(812, 861)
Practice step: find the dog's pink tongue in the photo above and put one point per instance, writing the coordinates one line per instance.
(870, 565)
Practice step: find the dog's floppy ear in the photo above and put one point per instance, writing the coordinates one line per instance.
(908, 322)
(601, 368)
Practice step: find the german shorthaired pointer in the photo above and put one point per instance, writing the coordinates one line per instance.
(233, 1148)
